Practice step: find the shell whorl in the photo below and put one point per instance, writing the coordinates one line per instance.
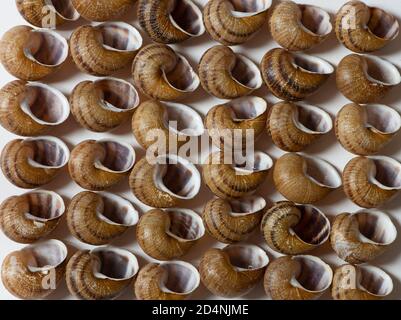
(102, 10)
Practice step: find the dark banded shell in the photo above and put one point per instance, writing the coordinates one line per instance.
(102, 10)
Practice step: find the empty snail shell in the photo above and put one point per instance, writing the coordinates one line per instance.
(234, 270)
(100, 274)
(365, 29)
(98, 218)
(294, 229)
(104, 104)
(35, 271)
(365, 130)
(238, 178)
(303, 179)
(371, 181)
(233, 22)
(102, 10)
(162, 74)
(233, 221)
(300, 277)
(165, 182)
(295, 126)
(170, 21)
(298, 27)
(363, 282)
(366, 78)
(294, 76)
(33, 162)
(170, 280)
(228, 75)
(169, 234)
(98, 165)
(106, 48)
(32, 54)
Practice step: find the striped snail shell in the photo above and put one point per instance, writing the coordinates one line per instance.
(102, 10)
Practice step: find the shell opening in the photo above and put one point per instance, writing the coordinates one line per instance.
(315, 20)
(179, 277)
(44, 206)
(188, 122)
(312, 274)
(376, 227)
(259, 161)
(182, 76)
(246, 257)
(65, 9)
(322, 173)
(187, 17)
(117, 210)
(120, 36)
(380, 71)
(247, 108)
(240, 8)
(248, 205)
(374, 280)
(185, 225)
(312, 64)
(382, 24)
(117, 156)
(383, 118)
(45, 255)
(311, 119)
(246, 72)
(386, 173)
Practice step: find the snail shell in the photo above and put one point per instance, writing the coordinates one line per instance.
(106, 48)
(233, 22)
(371, 181)
(162, 74)
(169, 234)
(102, 10)
(35, 271)
(98, 165)
(170, 21)
(360, 283)
(294, 76)
(234, 270)
(98, 218)
(170, 280)
(298, 27)
(32, 54)
(365, 29)
(294, 229)
(366, 78)
(228, 75)
(295, 126)
(233, 221)
(166, 182)
(300, 277)
(100, 274)
(33, 162)
(104, 104)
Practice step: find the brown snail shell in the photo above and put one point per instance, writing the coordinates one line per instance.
(292, 229)
(371, 181)
(169, 234)
(366, 78)
(98, 165)
(106, 48)
(294, 76)
(163, 74)
(104, 104)
(165, 182)
(100, 274)
(300, 277)
(33, 162)
(363, 282)
(233, 221)
(170, 280)
(234, 270)
(170, 21)
(32, 54)
(295, 126)
(365, 29)
(232, 22)
(99, 218)
(228, 75)
(102, 10)
(34, 271)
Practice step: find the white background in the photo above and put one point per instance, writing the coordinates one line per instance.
(327, 148)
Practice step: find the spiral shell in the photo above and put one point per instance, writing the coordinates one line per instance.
(35, 271)
(102, 10)
(297, 278)
(163, 74)
(295, 126)
(233, 22)
(32, 54)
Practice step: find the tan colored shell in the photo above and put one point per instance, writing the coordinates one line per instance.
(365, 29)
(295, 126)
(102, 10)
(297, 278)
(103, 49)
(163, 74)
(233, 22)
(294, 76)
(303, 179)
(33, 162)
(294, 229)
(35, 271)
(234, 270)
(32, 54)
